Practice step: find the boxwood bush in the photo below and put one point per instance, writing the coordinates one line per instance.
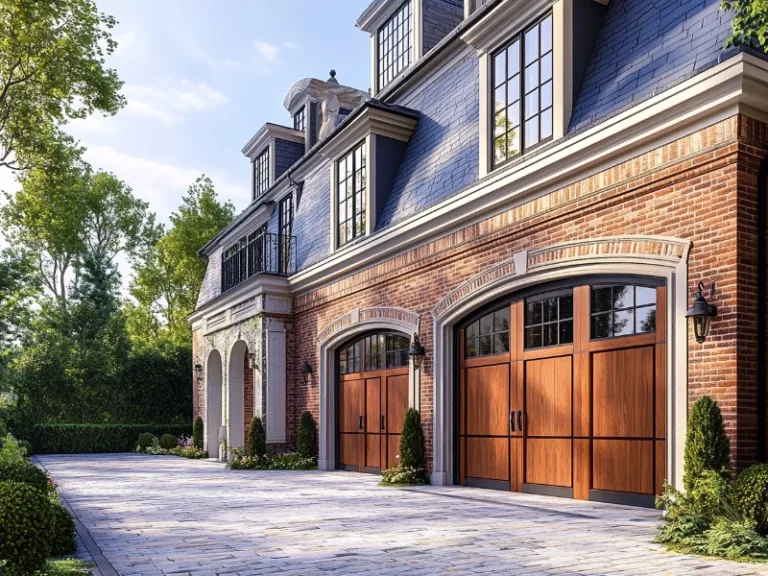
(168, 441)
(24, 473)
(97, 438)
(62, 539)
(306, 441)
(257, 439)
(198, 430)
(25, 524)
(751, 495)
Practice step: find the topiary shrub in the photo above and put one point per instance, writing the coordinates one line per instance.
(62, 540)
(257, 440)
(167, 442)
(24, 473)
(25, 523)
(197, 433)
(751, 495)
(306, 440)
(145, 441)
(706, 445)
(412, 441)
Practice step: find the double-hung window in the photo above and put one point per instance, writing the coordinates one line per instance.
(350, 195)
(285, 225)
(395, 45)
(523, 92)
(261, 174)
(300, 120)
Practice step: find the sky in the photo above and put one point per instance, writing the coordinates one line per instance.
(201, 77)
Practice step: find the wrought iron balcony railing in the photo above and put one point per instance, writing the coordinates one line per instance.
(259, 253)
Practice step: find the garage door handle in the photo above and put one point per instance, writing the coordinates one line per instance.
(361, 422)
(382, 421)
(512, 420)
(520, 420)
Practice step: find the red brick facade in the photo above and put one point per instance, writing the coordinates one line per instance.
(701, 188)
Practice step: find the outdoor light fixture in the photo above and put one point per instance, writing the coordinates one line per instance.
(254, 361)
(702, 313)
(306, 371)
(416, 351)
(199, 371)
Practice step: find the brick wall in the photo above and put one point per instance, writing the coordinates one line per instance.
(701, 187)
(247, 394)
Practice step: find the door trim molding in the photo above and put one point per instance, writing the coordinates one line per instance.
(337, 332)
(657, 256)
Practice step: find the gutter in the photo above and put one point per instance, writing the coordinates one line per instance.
(762, 290)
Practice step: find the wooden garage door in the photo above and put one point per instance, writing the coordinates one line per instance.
(373, 398)
(563, 393)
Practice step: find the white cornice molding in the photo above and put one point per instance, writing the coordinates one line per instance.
(739, 84)
(508, 17)
(376, 14)
(259, 217)
(267, 134)
(254, 287)
(370, 121)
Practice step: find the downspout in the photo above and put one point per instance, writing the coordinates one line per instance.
(762, 345)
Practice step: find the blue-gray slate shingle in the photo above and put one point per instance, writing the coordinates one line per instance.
(286, 154)
(439, 18)
(645, 46)
(312, 218)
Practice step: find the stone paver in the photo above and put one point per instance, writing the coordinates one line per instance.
(154, 516)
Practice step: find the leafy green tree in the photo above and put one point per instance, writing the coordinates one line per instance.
(18, 287)
(750, 23)
(52, 70)
(706, 444)
(169, 274)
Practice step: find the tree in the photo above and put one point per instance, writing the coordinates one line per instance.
(750, 23)
(18, 286)
(169, 274)
(52, 70)
(706, 444)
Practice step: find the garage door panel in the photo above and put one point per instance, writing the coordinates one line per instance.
(488, 400)
(548, 461)
(373, 450)
(488, 458)
(397, 402)
(623, 465)
(548, 385)
(350, 403)
(350, 446)
(622, 391)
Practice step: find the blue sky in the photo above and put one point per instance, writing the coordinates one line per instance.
(201, 77)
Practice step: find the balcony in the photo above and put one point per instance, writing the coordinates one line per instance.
(259, 253)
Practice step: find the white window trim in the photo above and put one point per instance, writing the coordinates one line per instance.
(370, 189)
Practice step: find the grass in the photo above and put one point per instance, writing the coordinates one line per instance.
(66, 567)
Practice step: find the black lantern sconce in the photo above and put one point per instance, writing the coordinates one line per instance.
(199, 371)
(416, 351)
(306, 371)
(702, 313)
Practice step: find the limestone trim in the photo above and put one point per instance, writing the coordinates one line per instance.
(660, 257)
(351, 324)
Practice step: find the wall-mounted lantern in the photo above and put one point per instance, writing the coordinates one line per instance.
(416, 352)
(254, 361)
(702, 313)
(199, 371)
(306, 371)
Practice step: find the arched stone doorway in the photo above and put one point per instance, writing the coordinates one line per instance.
(213, 409)
(236, 405)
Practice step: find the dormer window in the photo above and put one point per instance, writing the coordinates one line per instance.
(351, 192)
(300, 120)
(395, 45)
(261, 174)
(523, 90)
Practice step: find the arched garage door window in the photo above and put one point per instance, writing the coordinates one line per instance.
(562, 392)
(373, 398)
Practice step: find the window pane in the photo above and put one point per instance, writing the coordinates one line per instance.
(533, 337)
(601, 325)
(500, 97)
(501, 343)
(513, 60)
(499, 67)
(500, 124)
(623, 296)
(550, 334)
(601, 299)
(550, 310)
(566, 332)
(513, 143)
(623, 323)
(546, 68)
(501, 320)
(532, 132)
(546, 124)
(546, 96)
(645, 296)
(473, 329)
(566, 307)
(531, 78)
(500, 149)
(546, 35)
(533, 313)
(486, 324)
(531, 45)
(471, 347)
(485, 345)
(514, 89)
(513, 114)
(646, 319)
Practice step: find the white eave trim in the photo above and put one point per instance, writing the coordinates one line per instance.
(253, 287)
(510, 16)
(737, 84)
(376, 14)
(370, 121)
(267, 134)
(259, 217)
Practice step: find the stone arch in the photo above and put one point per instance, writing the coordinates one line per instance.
(213, 406)
(236, 395)
(353, 323)
(656, 256)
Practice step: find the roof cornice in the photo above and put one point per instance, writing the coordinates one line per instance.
(267, 133)
(376, 14)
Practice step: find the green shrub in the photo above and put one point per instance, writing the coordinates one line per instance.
(26, 447)
(706, 445)
(751, 495)
(96, 438)
(735, 540)
(306, 440)
(402, 476)
(197, 433)
(11, 452)
(257, 440)
(189, 452)
(290, 461)
(25, 523)
(24, 473)
(145, 441)
(62, 538)
(168, 441)
(412, 441)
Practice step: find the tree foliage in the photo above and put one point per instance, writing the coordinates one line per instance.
(52, 70)
(750, 23)
(18, 287)
(169, 274)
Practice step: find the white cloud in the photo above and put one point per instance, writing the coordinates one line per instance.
(231, 63)
(170, 100)
(130, 45)
(270, 52)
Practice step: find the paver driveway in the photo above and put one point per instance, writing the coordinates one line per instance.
(166, 515)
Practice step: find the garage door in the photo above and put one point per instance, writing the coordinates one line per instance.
(563, 393)
(373, 398)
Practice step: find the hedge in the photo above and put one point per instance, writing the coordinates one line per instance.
(96, 438)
